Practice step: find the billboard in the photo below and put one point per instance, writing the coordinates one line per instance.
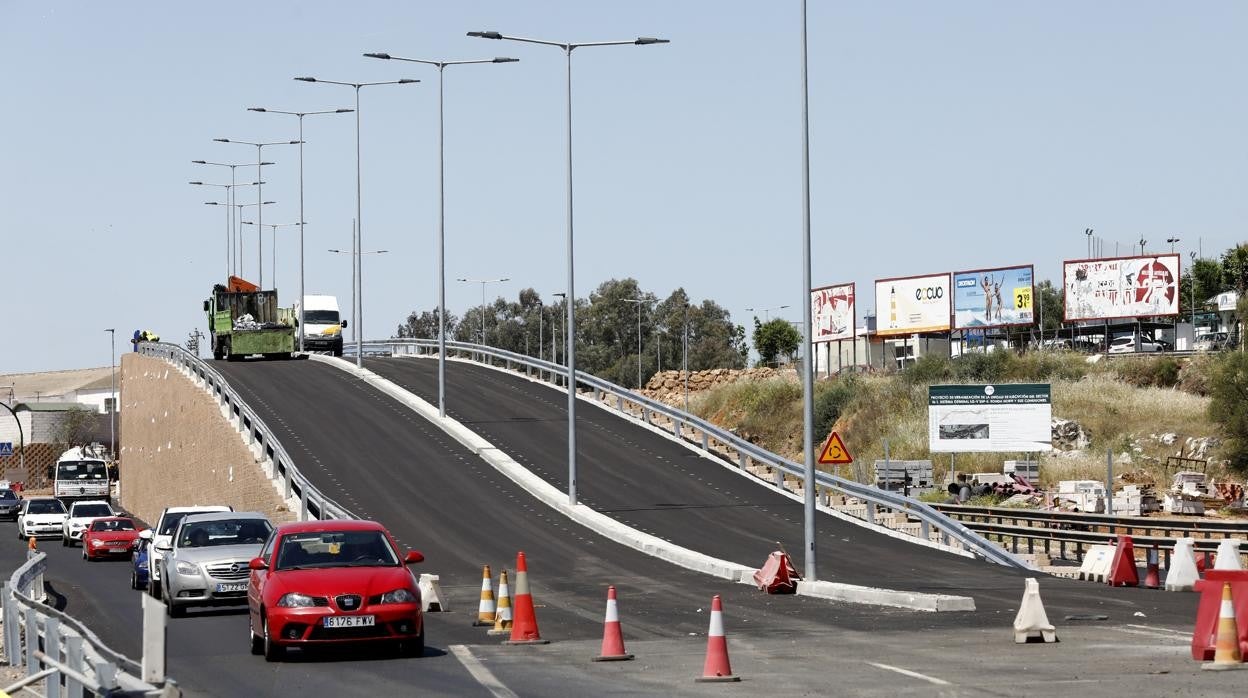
(1121, 287)
(832, 313)
(912, 304)
(985, 298)
(969, 418)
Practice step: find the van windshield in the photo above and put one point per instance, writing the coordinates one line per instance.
(320, 317)
(81, 470)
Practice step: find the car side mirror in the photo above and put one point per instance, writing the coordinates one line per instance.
(165, 546)
(413, 556)
(145, 534)
(257, 563)
(205, 306)
(343, 324)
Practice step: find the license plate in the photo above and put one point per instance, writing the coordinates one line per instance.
(348, 621)
(119, 546)
(236, 586)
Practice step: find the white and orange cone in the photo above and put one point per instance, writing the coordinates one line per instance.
(524, 626)
(717, 667)
(1226, 647)
(612, 634)
(485, 609)
(502, 619)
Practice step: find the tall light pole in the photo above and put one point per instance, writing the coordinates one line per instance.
(639, 302)
(359, 221)
(230, 201)
(357, 283)
(1172, 241)
(259, 192)
(441, 66)
(1142, 243)
(302, 218)
(808, 365)
(1088, 233)
(112, 390)
(483, 282)
(767, 311)
(554, 331)
(273, 257)
(1192, 255)
(238, 210)
(570, 347)
(229, 216)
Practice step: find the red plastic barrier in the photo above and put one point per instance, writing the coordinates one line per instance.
(777, 575)
(1210, 588)
(1122, 570)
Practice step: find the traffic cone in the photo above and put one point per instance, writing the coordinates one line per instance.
(1152, 577)
(717, 667)
(612, 635)
(524, 626)
(1226, 647)
(31, 544)
(502, 619)
(485, 609)
(1032, 623)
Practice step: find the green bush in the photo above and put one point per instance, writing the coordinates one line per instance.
(831, 401)
(1159, 372)
(990, 367)
(930, 368)
(1228, 405)
(1196, 376)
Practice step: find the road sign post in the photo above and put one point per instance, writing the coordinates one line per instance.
(6, 448)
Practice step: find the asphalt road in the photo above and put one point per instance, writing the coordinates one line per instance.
(653, 484)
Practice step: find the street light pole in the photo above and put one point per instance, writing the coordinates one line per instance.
(302, 219)
(483, 282)
(112, 391)
(359, 221)
(235, 234)
(638, 301)
(767, 311)
(570, 340)
(554, 331)
(273, 257)
(808, 381)
(441, 66)
(229, 216)
(357, 268)
(259, 194)
(1088, 232)
(1172, 241)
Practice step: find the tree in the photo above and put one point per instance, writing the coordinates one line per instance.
(1228, 405)
(425, 325)
(1050, 306)
(775, 338)
(75, 428)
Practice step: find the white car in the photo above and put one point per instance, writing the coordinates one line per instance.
(40, 516)
(81, 514)
(1126, 345)
(161, 537)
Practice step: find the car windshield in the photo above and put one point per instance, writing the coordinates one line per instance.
(320, 317)
(7, 496)
(113, 525)
(87, 510)
(335, 549)
(170, 522)
(45, 506)
(205, 534)
(81, 470)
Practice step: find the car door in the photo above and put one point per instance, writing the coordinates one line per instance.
(255, 582)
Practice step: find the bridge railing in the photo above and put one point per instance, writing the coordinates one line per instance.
(59, 650)
(688, 427)
(292, 484)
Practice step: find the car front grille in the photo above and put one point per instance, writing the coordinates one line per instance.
(349, 602)
(231, 570)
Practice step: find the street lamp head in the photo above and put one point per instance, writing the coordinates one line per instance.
(267, 163)
(294, 142)
(506, 60)
(382, 56)
(343, 111)
(256, 109)
(306, 79)
(486, 35)
(221, 140)
(407, 81)
(199, 162)
(647, 40)
(212, 203)
(194, 182)
(266, 203)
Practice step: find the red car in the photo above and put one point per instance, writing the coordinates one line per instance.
(114, 536)
(325, 582)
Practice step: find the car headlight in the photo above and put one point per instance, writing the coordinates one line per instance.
(294, 600)
(96, 542)
(186, 568)
(398, 596)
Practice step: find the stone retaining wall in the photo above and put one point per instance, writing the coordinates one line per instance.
(179, 449)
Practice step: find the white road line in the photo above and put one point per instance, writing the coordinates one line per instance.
(913, 674)
(1156, 629)
(484, 676)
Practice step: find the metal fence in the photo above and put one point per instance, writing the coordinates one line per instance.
(713, 440)
(59, 652)
(293, 485)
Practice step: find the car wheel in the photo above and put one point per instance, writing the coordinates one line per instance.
(64, 541)
(257, 642)
(174, 610)
(272, 651)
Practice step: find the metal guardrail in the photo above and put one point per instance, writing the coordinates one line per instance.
(313, 504)
(710, 435)
(60, 650)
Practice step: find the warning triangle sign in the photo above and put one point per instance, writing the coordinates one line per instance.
(834, 451)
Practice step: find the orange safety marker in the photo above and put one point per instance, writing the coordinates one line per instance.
(524, 626)
(31, 543)
(485, 609)
(612, 634)
(502, 619)
(1226, 653)
(717, 667)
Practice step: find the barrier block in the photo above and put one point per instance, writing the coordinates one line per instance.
(1096, 563)
(1210, 589)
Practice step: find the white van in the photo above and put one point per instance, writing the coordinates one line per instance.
(81, 473)
(323, 324)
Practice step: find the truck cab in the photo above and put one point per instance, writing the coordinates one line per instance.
(322, 324)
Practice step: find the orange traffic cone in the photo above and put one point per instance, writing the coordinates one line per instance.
(31, 543)
(524, 627)
(485, 609)
(717, 667)
(502, 619)
(1152, 577)
(612, 635)
(1226, 646)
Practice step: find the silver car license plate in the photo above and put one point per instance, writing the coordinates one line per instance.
(348, 621)
(232, 586)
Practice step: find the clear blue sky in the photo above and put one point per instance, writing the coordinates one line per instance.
(950, 135)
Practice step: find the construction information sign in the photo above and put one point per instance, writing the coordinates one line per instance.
(1004, 417)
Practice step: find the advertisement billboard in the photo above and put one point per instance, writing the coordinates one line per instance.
(984, 298)
(978, 418)
(1121, 287)
(832, 313)
(912, 304)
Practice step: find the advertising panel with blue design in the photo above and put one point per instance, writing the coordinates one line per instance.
(986, 298)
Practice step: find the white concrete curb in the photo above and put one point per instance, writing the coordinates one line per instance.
(626, 535)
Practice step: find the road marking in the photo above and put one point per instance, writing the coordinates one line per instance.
(1156, 629)
(1160, 633)
(484, 676)
(913, 674)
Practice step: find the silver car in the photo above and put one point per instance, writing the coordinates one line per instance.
(206, 561)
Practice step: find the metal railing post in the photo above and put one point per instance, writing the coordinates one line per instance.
(74, 660)
(52, 649)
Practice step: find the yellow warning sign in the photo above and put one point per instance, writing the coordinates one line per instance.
(834, 451)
